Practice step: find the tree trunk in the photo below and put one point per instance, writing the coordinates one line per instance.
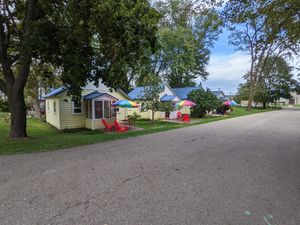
(36, 107)
(18, 113)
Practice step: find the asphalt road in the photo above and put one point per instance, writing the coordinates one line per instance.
(241, 171)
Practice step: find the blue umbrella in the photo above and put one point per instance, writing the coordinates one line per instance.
(233, 103)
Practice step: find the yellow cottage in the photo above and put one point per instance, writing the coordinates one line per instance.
(63, 113)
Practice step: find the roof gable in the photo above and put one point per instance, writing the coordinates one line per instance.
(167, 98)
(55, 92)
(184, 92)
(97, 94)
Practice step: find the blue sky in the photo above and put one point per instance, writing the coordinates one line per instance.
(226, 66)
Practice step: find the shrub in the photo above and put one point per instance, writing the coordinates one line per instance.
(205, 101)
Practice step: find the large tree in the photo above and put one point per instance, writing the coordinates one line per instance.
(277, 81)
(187, 31)
(87, 39)
(254, 32)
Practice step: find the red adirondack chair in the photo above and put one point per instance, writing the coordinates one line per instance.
(186, 118)
(108, 127)
(179, 115)
(119, 128)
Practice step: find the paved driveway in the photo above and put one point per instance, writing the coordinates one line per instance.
(242, 171)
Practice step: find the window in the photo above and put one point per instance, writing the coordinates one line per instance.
(88, 109)
(114, 110)
(77, 107)
(107, 109)
(54, 106)
(98, 109)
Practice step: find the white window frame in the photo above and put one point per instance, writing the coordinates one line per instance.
(73, 108)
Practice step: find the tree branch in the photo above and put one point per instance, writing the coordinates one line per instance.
(11, 18)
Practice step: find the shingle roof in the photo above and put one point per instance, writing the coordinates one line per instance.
(96, 94)
(184, 92)
(55, 92)
(137, 93)
(217, 93)
(92, 95)
(167, 98)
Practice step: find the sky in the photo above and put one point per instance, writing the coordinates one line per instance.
(226, 66)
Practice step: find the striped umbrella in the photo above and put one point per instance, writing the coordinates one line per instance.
(125, 104)
(227, 103)
(185, 103)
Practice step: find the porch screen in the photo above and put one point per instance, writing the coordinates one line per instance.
(98, 109)
(107, 109)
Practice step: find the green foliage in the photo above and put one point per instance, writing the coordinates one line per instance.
(3, 105)
(276, 82)
(134, 117)
(151, 99)
(166, 107)
(87, 40)
(185, 36)
(205, 101)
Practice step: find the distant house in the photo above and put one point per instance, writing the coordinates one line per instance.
(295, 100)
(166, 95)
(95, 104)
(184, 92)
(169, 94)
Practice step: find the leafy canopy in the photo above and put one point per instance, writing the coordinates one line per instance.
(205, 101)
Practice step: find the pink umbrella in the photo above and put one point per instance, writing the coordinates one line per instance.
(227, 103)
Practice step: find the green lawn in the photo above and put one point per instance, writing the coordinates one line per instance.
(45, 138)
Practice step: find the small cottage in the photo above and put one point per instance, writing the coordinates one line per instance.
(95, 105)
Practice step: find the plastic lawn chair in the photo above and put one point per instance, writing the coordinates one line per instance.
(179, 115)
(119, 128)
(186, 118)
(108, 127)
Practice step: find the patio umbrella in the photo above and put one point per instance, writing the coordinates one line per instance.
(185, 103)
(233, 103)
(125, 104)
(227, 103)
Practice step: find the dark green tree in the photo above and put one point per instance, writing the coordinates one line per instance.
(87, 39)
(205, 101)
(187, 31)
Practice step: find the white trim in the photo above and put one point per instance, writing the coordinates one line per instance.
(73, 107)
(93, 113)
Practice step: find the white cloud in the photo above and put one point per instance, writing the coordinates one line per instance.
(229, 67)
(226, 71)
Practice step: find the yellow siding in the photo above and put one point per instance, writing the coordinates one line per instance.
(97, 124)
(65, 119)
(88, 123)
(185, 110)
(68, 120)
(51, 117)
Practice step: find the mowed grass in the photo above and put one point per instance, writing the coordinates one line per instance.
(43, 137)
